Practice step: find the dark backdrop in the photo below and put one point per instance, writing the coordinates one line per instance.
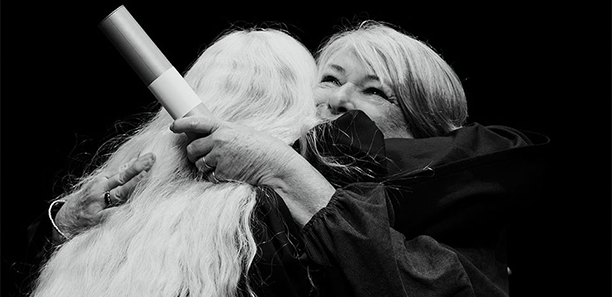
(65, 90)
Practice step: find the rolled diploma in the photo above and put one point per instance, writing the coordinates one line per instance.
(153, 68)
(177, 97)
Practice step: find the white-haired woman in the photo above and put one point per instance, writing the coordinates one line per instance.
(181, 234)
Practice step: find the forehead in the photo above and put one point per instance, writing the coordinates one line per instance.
(348, 63)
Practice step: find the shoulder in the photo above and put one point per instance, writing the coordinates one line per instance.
(468, 142)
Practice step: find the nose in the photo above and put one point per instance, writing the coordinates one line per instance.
(341, 100)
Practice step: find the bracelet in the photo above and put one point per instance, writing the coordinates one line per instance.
(52, 213)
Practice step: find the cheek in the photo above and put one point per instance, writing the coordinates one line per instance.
(321, 95)
(393, 125)
(386, 115)
(323, 112)
(376, 112)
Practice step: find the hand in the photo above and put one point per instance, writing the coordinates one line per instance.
(88, 206)
(236, 152)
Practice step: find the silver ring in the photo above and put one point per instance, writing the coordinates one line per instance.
(107, 198)
(214, 178)
(202, 166)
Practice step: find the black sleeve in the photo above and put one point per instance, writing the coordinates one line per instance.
(279, 267)
(354, 233)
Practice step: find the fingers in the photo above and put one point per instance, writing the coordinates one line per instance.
(120, 194)
(199, 148)
(130, 170)
(119, 186)
(203, 165)
(200, 125)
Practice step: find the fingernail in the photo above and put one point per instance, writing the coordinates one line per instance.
(150, 160)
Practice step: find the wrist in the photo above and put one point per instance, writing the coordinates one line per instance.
(52, 213)
(67, 217)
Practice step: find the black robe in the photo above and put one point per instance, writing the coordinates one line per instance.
(429, 219)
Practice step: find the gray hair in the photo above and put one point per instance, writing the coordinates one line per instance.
(428, 91)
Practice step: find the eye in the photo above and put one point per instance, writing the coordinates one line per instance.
(377, 92)
(330, 79)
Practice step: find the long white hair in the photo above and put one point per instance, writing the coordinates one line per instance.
(179, 234)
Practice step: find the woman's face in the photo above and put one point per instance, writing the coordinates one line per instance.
(346, 84)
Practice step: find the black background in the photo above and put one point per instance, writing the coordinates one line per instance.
(543, 68)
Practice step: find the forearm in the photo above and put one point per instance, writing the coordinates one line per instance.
(303, 189)
(354, 234)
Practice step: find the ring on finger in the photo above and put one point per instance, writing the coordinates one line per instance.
(107, 199)
(214, 178)
(202, 166)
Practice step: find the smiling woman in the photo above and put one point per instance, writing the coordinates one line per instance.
(433, 222)
(384, 72)
(346, 85)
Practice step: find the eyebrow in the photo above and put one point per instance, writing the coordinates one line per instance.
(372, 77)
(342, 71)
(337, 68)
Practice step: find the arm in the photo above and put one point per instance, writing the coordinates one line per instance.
(235, 152)
(354, 233)
(349, 229)
(303, 188)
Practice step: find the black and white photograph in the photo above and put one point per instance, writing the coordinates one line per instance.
(189, 148)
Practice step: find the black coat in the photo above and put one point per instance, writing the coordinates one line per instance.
(429, 219)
